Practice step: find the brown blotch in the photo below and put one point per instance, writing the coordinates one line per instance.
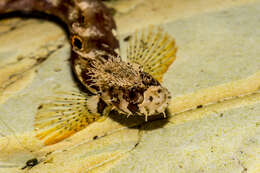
(101, 106)
(199, 106)
(133, 108)
(148, 80)
(40, 107)
(127, 38)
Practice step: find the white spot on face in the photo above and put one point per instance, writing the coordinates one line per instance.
(54, 2)
(91, 55)
(104, 45)
(114, 32)
(78, 69)
(73, 14)
(84, 5)
(86, 32)
(117, 50)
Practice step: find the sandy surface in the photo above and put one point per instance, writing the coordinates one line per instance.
(214, 116)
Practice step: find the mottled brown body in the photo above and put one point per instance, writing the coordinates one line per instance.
(131, 88)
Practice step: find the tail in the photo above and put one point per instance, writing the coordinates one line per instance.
(78, 15)
(58, 8)
(7, 6)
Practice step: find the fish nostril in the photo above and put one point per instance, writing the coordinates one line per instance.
(82, 19)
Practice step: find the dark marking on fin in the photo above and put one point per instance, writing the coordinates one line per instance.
(63, 116)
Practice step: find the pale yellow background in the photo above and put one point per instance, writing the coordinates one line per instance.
(217, 66)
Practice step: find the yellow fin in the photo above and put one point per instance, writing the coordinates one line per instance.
(153, 49)
(65, 115)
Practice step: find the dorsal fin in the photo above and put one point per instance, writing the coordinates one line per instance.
(153, 49)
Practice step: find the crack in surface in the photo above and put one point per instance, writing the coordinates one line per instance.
(14, 77)
(15, 25)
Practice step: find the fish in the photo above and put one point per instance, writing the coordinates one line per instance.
(132, 87)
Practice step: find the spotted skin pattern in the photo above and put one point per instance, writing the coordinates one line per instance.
(126, 87)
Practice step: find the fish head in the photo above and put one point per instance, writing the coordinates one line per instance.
(152, 99)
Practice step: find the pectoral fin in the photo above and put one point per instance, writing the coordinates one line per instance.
(153, 49)
(65, 115)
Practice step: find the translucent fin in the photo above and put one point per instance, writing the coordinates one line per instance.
(65, 115)
(153, 49)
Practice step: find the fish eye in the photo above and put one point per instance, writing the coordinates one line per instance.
(77, 42)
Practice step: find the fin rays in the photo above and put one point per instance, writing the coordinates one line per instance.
(63, 116)
(154, 50)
